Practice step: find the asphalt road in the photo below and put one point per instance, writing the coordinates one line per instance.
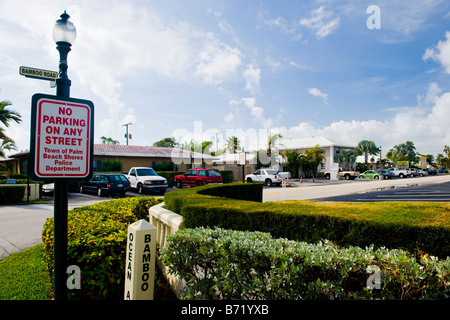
(407, 192)
(21, 225)
(326, 189)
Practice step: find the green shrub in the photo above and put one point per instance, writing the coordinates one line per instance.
(238, 191)
(170, 175)
(97, 244)
(410, 226)
(111, 165)
(227, 264)
(227, 176)
(11, 194)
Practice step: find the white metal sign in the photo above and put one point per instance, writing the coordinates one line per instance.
(62, 141)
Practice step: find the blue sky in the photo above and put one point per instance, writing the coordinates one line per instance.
(206, 69)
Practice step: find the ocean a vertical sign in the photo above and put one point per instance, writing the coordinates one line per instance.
(140, 261)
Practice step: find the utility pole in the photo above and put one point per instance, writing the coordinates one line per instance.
(126, 134)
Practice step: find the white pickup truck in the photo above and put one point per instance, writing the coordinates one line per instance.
(399, 172)
(146, 179)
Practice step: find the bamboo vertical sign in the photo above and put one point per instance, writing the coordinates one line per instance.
(140, 261)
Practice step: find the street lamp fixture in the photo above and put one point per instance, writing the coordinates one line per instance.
(64, 35)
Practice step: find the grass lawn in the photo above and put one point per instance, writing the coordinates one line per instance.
(23, 276)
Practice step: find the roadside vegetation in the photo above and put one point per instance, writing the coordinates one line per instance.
(24, 276)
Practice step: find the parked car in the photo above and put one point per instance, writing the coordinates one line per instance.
(422, 172)
(198, 177)
(48, 188)
(266, 176)
(443, 171)
(431, 172)
(371, 174)
(105, 184)
(400, 172)
(413, 172)
(386, 174)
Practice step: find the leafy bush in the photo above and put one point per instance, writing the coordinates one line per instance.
(238, 191)
(97, 244)
(170, 175)
(408, 226)
(227, 264)
(227, 176)
(111, 165)
(11, 194)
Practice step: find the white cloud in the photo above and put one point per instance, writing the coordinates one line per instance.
(257, 113)
(317, 93)
(429, 130)
(322, 22)
(441, 53)
(252, 77)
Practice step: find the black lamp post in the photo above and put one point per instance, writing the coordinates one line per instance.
(64, 34)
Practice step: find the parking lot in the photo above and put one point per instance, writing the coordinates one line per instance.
(346, 190)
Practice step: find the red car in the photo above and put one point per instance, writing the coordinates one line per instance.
(198, 177)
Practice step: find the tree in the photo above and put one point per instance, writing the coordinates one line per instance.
(109, 140)
(166, 142)
(315, 157)
(6, 116)
(293, 161)
(271, 143)
(233, 144)
(366, 148)
(402, 152)
(348, 158)
(6, 144)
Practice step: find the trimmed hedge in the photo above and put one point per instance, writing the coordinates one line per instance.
(227, 264)
(97, 244)
(177, 199)
(11, 194)
(227, 176)
(410, 226)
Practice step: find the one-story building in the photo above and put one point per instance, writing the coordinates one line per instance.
(129, 156)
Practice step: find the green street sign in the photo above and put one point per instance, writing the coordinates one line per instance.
(38, 73)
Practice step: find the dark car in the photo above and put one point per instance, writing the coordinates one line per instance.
(431, 172)
(198, 177)
(106, 184)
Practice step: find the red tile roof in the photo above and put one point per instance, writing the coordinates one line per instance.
(144, 151)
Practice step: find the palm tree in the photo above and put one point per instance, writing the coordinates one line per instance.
(316, 157)
(6, 144)
(293, 161)
(366, 147)
(403, 152)
(271, 142)
(233, 144)
(6, 116)
(348, 157)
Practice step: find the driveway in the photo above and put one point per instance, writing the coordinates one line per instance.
(21, 225)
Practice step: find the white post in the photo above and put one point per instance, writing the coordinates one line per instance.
(140, 261)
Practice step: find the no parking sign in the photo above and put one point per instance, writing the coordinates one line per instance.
(61, 143)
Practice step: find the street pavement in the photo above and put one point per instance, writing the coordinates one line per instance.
(21, 225)
(321, 189)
